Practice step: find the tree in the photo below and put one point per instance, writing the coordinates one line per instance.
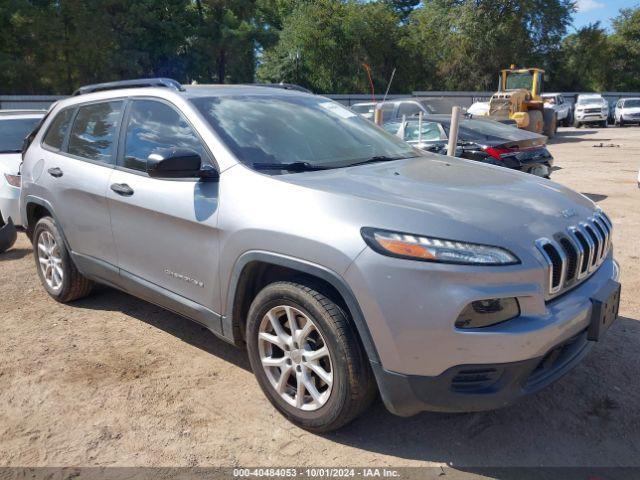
(625, 46)
(462, 44)
(584, 61)
(324, 44)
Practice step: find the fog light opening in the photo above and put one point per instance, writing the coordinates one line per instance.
(485, 313)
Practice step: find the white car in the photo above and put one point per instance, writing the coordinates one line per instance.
(591, 108)
(563, 109)
(15, 125)
(627, 111)
(479, 109)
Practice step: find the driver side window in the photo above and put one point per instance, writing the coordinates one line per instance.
(152, 126)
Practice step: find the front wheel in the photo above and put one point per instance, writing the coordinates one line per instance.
(58, 274)
(307, 357)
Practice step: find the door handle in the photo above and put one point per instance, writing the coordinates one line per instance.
(55, 172)
(122, 189)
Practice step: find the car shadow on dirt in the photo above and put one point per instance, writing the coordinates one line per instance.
(191, 332)
(590, 417)
(15, 254)
(595, 197)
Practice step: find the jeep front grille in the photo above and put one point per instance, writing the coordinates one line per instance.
(573, 255)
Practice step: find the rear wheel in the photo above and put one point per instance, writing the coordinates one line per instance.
(58, 274)
(307, 357)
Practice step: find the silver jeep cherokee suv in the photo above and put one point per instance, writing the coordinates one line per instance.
(347, 262)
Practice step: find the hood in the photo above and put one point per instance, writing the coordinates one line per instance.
(631, 110)
(453, 198)
(10, 162)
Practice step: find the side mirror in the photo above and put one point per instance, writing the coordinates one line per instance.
(178, 163)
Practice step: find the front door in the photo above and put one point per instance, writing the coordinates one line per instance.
(165, 231)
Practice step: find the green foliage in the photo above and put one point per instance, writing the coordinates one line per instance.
(53, 46)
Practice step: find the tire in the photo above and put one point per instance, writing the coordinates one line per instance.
(603, 124)
(8, 234)
(576, 123)
(536, 121)
(550, 123)
(621, 122)
(352, 386)
(53, 260)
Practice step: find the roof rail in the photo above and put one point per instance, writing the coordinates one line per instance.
(22, 111)
(284, 86)
(137, 83)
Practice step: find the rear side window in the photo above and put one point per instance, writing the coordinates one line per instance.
(408, 109)
(153, 126)
(93, 132)
(58, 130)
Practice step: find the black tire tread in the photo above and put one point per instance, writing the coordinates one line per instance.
(362, 388)
(78, 285)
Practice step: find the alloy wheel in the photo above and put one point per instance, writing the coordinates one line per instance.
(295, 358)
(50, 260)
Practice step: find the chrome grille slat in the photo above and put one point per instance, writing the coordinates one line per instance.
(574, 254)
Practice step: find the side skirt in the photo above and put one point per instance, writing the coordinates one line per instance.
(105, 273)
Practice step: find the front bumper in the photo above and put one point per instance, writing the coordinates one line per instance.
(591, 117)
(425, 360)
(474, 388)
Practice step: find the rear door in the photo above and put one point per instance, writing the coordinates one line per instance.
(79, 157)
(165, 230)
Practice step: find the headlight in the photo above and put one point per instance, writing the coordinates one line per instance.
(429, 249)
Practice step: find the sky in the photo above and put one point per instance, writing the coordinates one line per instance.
(590, 11)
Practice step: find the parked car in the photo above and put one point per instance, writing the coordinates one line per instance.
(627, 111)
(590, 108)
(345, 260)
(404, 108)
(482, 140)
(563, 109)
(15, 125)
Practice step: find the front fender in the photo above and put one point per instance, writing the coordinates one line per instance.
(308, 268)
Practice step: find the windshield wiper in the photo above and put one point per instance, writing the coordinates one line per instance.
(12, 150)
(291, 167)
(381, 158)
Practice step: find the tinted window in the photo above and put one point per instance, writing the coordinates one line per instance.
(296, 128)
(153, 126)
(632, 103)
(92, 134)
(58, 129)
(13, 133)
(408, 109)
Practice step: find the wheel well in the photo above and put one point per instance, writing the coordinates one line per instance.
(257, 275)
(34, 213)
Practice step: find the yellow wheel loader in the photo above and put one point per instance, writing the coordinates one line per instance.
(518, 99)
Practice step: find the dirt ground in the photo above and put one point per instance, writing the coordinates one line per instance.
(112, 380)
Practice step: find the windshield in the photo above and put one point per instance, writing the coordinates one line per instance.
(632, 103)
(13, 132)
(262, 129)
(519, 80)
(430, 131)
(591, 101)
